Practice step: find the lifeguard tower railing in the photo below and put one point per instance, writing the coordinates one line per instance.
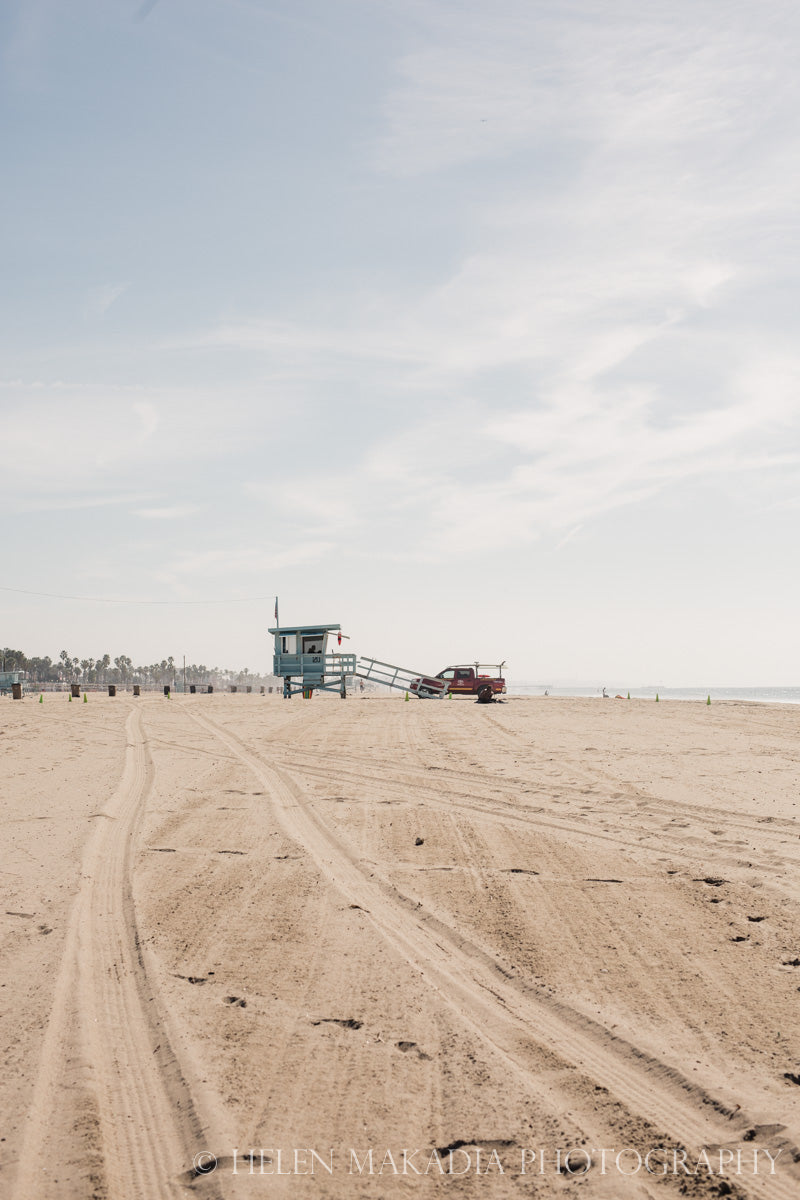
(314, 668)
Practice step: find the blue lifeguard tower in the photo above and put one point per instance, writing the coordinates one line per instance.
(302, 661)
(10, 679)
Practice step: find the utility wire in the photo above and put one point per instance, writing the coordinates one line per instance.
(107, 600)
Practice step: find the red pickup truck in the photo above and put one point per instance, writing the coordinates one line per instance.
(478, 679)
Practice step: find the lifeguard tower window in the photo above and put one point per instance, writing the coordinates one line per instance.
(289, 644)
(312, 645)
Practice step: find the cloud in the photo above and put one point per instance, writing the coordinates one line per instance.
(596, 336)
(324, 503)
(588, 454)
(592, 334)
(75, 499)
(455, 485)
(169, 513)
(101, 298)
(610, 180)
(246, 559)
(65, 441)
(588, 77)
(148, 414)
(144, 10)
(568, 536)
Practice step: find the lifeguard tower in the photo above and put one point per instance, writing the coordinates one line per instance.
(302, 661)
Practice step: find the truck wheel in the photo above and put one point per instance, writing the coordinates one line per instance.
(485, 694)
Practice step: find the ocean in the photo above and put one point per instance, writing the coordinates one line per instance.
(758, 695)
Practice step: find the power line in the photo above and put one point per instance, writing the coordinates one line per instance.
(107, 600)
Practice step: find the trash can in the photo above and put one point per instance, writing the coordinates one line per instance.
(263, 690)
(192, 688)
(233, 689)
(249, 690)
(210, 689)
(112, 689)
(166, 689)
(136, 689)
(16, 691)
(75, 689)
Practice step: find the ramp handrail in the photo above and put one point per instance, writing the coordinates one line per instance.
(393, 676)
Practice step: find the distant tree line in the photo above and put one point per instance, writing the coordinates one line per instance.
(120, 670)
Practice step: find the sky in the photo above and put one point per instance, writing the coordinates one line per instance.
(470, 327)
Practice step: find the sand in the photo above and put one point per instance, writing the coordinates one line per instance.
(334, 932)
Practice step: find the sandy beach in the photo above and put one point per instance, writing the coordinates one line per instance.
(397, 947)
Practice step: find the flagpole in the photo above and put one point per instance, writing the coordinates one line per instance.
(277, 622)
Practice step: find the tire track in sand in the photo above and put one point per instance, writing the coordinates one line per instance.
(389, 781)
(508, 1014)
(111, 1109)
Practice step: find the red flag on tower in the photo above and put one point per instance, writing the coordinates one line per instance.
(340, 637)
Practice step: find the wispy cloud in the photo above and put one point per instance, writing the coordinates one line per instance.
(235, 560)
(516, 277)
(101, 298)
(172, 512)
(673, 80)
(73, 441)
(148, 415)
(144, 10)
(597, 338)
(68, 499)
(449, 487)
